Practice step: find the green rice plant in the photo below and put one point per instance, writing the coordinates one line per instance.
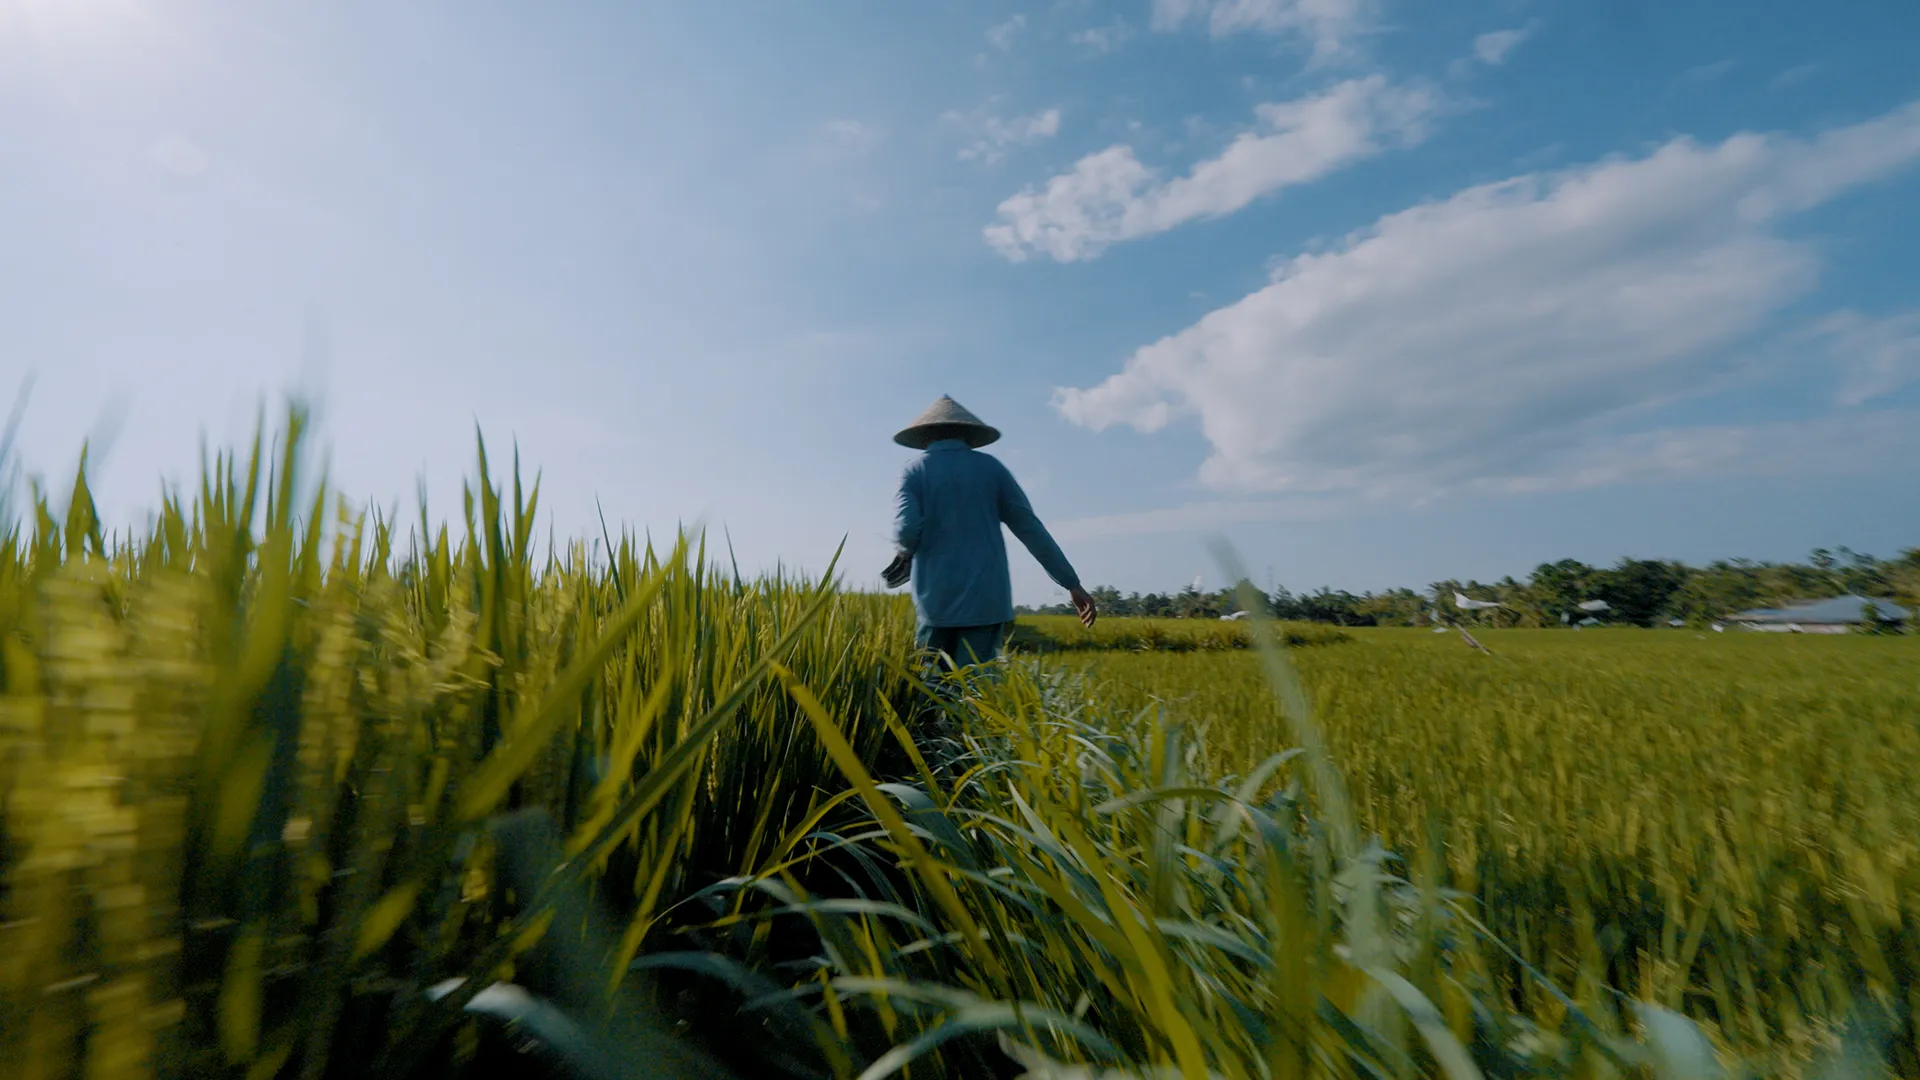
(286, 792)
(1064, 633)
(1070, 882)
(1716, 823)
(248, 756)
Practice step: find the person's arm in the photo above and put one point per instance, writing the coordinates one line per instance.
(1020, 519)
(907, 515)
(907, 519)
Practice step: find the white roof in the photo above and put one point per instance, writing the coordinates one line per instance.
(1840, 609)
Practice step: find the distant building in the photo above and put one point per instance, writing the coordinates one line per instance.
(1593, 608)
(1836, 616)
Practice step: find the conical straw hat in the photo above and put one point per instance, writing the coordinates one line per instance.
(946, 419)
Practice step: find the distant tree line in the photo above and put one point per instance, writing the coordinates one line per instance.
(1641, 592)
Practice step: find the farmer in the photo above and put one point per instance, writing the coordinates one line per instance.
(951, 505)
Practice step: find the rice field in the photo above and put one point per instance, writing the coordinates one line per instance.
(1063, 633)
(1723, 822)
(291, 790)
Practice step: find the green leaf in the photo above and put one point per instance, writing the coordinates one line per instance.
(659, 780)
(1453, 1057)
(385, 917)
(239, 795)
(239, 1016)
(1160, 795)
(987, 1016)
(489, 783)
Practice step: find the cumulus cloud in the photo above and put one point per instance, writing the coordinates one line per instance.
(990, 137)
(1329, 25)
(1496, 335)
(1112, 196)
(1492, 47)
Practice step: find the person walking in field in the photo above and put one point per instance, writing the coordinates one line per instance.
(952, 501)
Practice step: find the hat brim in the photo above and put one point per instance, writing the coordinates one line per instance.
(921, 436)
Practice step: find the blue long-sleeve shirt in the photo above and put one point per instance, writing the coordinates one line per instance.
(953, 500)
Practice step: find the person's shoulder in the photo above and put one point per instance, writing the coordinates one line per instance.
(996, 467)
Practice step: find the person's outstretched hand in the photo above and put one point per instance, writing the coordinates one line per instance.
(1083, 606)
(897, 571)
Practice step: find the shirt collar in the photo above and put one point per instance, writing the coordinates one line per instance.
(947, 444)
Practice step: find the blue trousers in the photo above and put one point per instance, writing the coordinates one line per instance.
(965, 644)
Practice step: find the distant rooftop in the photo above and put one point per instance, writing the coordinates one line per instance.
(1839, 609)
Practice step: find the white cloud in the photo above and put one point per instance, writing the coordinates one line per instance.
(1497, 333)
(990, 137)
(1795, 75)
(1104, 39)
(1492, 47)
(1706, 73)
(1875, 356)
(1111, 196)
(852, 136)
(1199, 517)
(1001, 37)
(1841, 443)
(1870, 443)
(1330, 25)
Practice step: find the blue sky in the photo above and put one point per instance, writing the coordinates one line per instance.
(1381, 292)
